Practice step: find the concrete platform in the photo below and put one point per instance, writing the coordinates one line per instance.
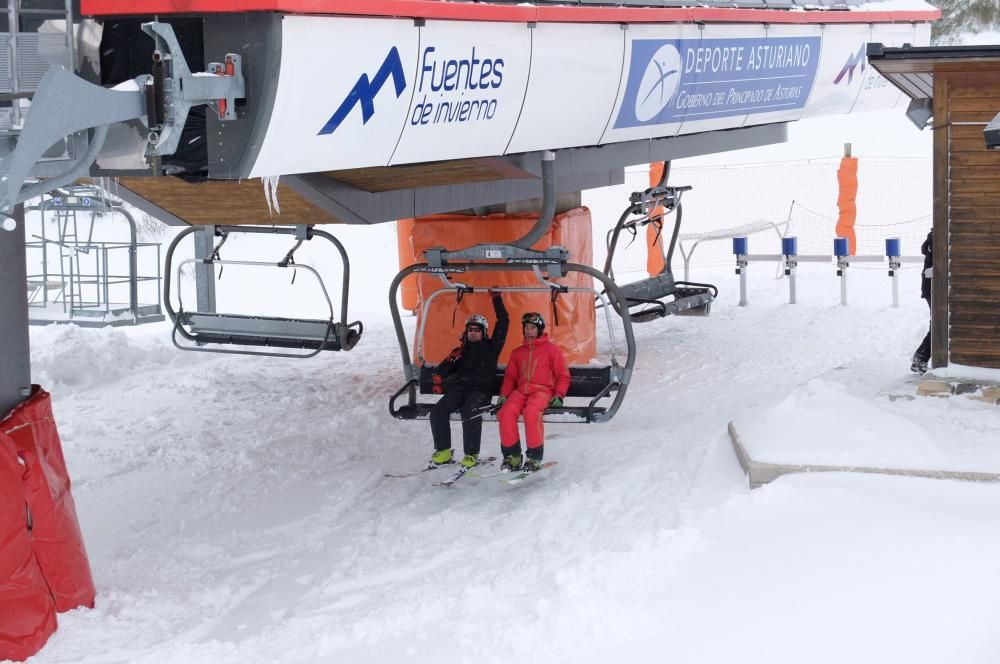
(903, 430)
(762, 472)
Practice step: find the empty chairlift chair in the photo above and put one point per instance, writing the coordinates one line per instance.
(659, 295)
(206, 330)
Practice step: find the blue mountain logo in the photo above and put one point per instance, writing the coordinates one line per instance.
(853, 61)
(365, 91)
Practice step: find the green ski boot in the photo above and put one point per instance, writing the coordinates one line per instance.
(469, 461)
(441, 458)
(511, 463)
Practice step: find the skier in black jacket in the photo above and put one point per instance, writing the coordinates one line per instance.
(466, 379)
(923, 354)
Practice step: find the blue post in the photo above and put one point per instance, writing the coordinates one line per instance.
(740, 250)
(842, 250)
(790, 250)
(892, 251)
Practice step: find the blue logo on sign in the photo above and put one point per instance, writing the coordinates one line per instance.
(672, 80)
(365, 91)
(853, 61)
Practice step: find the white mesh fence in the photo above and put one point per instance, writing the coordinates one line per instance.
(894, 200)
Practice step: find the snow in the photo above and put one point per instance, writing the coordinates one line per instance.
(969, 373)
(855, 432)
(895, 5)
(236, 511)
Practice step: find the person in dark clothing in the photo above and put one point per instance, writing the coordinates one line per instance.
(923, 354)
(465, 378)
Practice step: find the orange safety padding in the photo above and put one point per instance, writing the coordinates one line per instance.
(847, 200)
(27, 612)
(654, 236)
(409, 299)
(56, 537)
(575, 332)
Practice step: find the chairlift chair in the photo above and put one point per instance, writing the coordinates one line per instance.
(646, 299)
(594, 383)
(207, 330)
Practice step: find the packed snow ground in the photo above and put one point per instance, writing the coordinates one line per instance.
(235, 509)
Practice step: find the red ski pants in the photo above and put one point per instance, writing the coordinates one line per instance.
(532, 405)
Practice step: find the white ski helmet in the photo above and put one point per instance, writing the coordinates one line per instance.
(480, 320)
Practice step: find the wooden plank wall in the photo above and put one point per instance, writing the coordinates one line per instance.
(973, 227)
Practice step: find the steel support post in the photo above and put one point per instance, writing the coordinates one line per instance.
(204, 273)
(15, 361)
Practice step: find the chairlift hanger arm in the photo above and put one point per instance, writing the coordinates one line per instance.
(66, 105)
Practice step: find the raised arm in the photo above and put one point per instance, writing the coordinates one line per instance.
(499, 337)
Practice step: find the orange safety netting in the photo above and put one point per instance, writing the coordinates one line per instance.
(570, 321)
(847, 200)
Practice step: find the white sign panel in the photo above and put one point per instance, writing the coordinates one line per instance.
(841, 70)
(710, 79)
(575, 71)
(649, 83)
(715, 74)
(877, 93)
(343, 93)
(467, 91)
(777, 35)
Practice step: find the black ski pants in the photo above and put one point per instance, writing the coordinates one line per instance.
(924, 349)
(468, 402)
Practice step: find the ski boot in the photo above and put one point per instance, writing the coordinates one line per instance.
(469, 461)
(441, 458)
(532, 465)
(511, 463)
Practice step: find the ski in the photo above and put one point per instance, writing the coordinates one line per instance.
(523, 475)
(462, 472)
(411, 473)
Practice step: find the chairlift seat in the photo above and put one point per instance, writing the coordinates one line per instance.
(584, 382)
(649, 292)
(268, 331)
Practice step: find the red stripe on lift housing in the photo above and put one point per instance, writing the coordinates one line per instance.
(459, 11)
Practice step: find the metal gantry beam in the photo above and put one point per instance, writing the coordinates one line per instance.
(15, 360)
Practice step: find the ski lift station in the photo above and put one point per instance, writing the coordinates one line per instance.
(478, 123)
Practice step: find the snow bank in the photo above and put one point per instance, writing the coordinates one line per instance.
(68, 356)
(823, 424)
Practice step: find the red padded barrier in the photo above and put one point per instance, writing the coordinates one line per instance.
(56, 537)
(27, 612)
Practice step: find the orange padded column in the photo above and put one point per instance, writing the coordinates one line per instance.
(847, 199)
(409, 299)
(654, 236)
(576, 328)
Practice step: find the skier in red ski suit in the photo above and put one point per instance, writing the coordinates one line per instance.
(536, 378)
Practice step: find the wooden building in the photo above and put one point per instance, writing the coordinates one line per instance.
(955, 93)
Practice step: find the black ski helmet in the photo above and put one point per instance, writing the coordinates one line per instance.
(533, 318)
